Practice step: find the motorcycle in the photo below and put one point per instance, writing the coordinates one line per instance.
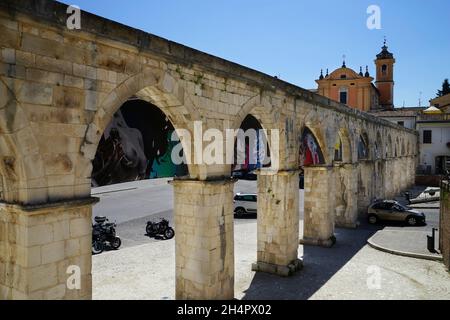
(160, 228)
(104, 232)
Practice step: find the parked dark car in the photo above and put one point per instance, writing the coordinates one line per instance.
(390, 210)
(244, 175)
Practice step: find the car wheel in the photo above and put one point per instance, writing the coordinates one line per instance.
(411, 221)
(240, 212)
(373, 219)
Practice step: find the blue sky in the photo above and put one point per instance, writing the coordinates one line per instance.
(294, 39)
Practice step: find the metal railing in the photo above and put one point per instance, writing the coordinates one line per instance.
(434, 117)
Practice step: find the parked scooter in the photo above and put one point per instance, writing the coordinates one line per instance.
(104, 232)
(161, 228)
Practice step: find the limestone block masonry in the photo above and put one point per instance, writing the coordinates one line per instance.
(319, 206)
(38, 244)
(204, 239)
(346, 179)
(278, 223)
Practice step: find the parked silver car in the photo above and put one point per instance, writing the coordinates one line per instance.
(390, 210)
(245, 204)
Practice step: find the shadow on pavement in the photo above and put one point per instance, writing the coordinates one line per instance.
(320, 264)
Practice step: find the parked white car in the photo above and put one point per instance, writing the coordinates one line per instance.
(245, 203)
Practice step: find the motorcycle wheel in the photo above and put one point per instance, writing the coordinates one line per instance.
(116, 243)
(169, 233)
(149, 230)
(97, 247)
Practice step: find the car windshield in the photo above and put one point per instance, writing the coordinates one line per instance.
(402, 207)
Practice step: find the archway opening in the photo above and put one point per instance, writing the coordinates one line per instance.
(134, 162)
(338, 150)
(136, 145)
(363, 147)
(310, 150)
(310, 155)
(389, 152)
(378, 147)
(251, 153)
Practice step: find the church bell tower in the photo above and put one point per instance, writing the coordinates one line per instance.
(385, 77)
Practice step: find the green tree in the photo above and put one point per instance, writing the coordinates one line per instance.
(445, 89)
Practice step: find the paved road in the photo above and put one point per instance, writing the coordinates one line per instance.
(133, 200)
(403, 239)
(132, 204)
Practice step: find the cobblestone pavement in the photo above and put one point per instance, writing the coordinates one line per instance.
(342, 272)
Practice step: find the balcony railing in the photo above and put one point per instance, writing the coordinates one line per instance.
(434, 117)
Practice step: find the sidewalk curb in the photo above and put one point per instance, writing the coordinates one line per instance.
(404, 253)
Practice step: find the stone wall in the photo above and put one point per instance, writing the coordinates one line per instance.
(444, 223)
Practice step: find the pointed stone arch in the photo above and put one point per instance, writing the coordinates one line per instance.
(389, 151)
(378, 147)
(363, 146)
(345, 145)
(156, 87)
(312, 146)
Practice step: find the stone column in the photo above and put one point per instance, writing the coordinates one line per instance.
(388, 181)
(396, 176)
(346, 212)
(319, 206)
(412, 164)
(45, 251)
(404, 175)
(278, 223)
(366, 173)
(204, 240)
(379, 191)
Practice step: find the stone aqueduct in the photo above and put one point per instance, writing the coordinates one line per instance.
(59, 90)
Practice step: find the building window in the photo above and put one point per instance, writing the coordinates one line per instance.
(401, 123)
(343, 95)
(427, 136)
(384, 69)
(343, 76)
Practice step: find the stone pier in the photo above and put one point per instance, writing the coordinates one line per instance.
(278, 223)
(346, 178)
(38, 244)
(319, 206)
(204, 239)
